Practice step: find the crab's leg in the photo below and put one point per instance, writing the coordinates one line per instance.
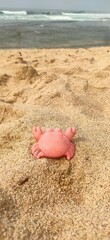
(35, 145)
(70, 132)
(40, 154)
(70, 153)
(37, 132)
(35, 149)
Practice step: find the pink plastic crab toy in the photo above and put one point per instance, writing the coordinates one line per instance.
(53, 143)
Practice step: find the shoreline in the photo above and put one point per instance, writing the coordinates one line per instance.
(54, 34)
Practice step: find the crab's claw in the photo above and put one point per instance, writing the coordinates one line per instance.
(70, 133)
(37, 132)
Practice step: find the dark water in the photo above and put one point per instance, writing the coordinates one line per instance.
(41, 34)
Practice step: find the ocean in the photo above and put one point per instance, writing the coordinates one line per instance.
(53, 29)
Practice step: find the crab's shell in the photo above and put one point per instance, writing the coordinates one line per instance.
(54, 144)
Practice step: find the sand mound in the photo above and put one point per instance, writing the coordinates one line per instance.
(4, 79)
(107, 68)
(50, 199)
(74, 70)
(102, 74)
(7, 112)
(25, 72)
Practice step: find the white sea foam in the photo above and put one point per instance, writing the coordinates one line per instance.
(14, 12)
(88, 16)
(53, 16)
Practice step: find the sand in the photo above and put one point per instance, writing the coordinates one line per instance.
(50, 199)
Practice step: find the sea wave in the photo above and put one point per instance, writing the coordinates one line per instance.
(53, 16)
(13, 12)
(87, 16)
(29, 12)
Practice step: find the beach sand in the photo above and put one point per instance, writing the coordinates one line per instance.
(50, 199)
